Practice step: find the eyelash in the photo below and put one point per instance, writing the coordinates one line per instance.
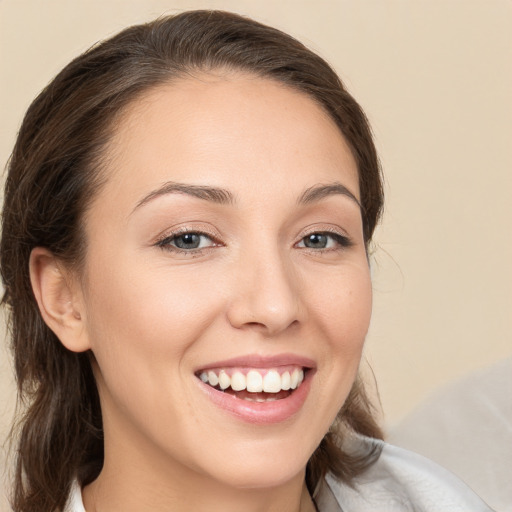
(165, 243)
(342, 241)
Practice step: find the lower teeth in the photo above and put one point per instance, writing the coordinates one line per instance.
(260, 397)
(260, 400)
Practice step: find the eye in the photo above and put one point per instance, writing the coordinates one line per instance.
(187, 241)
(324, 241)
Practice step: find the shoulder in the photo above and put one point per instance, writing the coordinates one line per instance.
(400, 481)
(466, 426)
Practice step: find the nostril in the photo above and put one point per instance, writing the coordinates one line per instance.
(255, 324)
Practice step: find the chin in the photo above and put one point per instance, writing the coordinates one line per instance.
(271, 473)
(263, 465)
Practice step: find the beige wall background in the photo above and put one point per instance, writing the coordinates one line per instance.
(434, 77)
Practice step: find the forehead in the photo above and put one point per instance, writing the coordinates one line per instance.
(232, 130)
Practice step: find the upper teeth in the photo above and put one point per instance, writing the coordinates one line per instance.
(254, 380)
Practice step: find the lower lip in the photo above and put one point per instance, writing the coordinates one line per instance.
(261, 412)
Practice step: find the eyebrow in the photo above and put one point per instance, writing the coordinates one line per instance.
(223, 196)
(213, 194)
(317, 192)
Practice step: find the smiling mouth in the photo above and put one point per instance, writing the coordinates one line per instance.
(255, 384)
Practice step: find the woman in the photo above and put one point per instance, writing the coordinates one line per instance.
(187, 219)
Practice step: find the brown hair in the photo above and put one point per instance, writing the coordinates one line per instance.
(53, 173)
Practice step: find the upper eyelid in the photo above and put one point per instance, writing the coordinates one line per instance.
(166, 241)
(164, 244)
(337, 237)
(182, 230)
(329, 229)
(217, 238)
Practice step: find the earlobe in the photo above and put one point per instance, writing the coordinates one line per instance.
(59, 299)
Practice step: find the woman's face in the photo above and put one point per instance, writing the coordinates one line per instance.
(226, 245)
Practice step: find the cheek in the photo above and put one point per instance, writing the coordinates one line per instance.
(344, 310)
(341, 312)
(142, 325)
(137, 313)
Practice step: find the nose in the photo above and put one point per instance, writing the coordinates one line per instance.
(266, 294)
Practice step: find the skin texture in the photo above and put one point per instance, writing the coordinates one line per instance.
(153, 314)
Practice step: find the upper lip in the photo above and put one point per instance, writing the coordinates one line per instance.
(260, 361)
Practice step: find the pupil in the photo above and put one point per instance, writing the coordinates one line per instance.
(316, 240)
(188, 241)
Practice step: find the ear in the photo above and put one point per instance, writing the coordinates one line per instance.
(59, 298)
